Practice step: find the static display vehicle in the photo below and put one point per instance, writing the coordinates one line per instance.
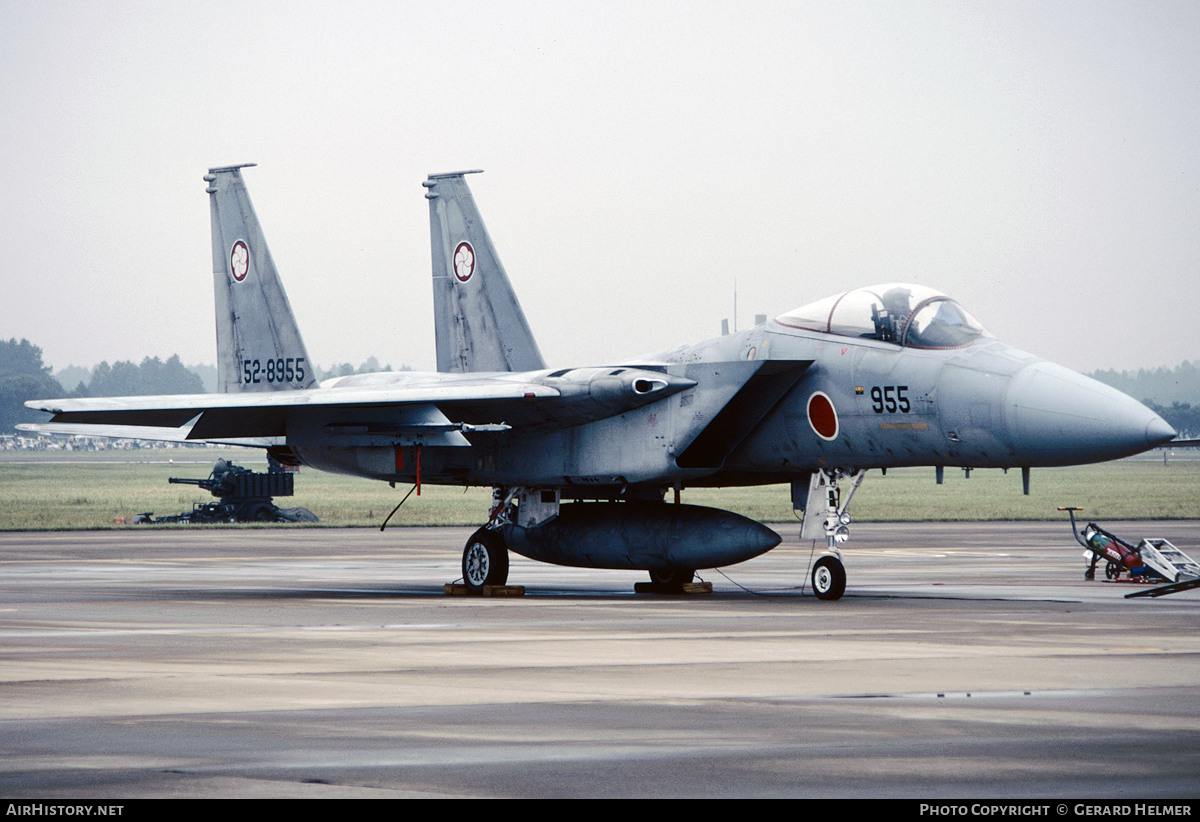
(242, 496)
(587, 463)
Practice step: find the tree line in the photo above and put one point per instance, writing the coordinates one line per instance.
(1163, 386)
(24, 376)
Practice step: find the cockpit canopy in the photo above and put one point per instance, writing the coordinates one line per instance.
(900, 313)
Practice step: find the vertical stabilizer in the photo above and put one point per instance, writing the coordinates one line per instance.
(478, 321)
(258, 344)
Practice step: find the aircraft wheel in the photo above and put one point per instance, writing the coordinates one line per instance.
(485, 560)
(829, 578)
(671, 577)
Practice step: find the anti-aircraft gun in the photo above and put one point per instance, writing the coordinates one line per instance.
(244, 496)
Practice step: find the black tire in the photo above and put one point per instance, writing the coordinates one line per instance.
(829, 578)
(671, 577)
(485, 560)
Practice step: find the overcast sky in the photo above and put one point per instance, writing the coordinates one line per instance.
(1040, 161)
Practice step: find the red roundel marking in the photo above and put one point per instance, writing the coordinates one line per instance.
(464, 261)
(239, 260)
(822, 416)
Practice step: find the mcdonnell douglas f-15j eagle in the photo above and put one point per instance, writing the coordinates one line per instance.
(581, 459)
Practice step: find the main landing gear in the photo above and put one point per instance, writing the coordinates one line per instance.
(485, 560)
(485, 556)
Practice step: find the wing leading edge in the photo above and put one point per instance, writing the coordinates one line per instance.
(376, 406)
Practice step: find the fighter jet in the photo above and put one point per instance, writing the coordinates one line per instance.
(587, 464)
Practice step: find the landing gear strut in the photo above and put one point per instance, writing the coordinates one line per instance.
(825, 515)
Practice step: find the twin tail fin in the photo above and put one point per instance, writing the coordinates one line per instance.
(259, 347)
(478, 322)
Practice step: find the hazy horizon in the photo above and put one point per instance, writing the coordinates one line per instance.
(384, 366)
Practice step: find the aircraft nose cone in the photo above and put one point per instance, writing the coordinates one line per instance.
(1059, 417)
(1159, 431)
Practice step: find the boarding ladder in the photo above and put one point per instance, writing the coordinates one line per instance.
(1168, 561)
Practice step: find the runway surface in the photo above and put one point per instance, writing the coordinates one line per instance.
(967, 660)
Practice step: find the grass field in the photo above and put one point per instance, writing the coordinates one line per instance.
(62, 490)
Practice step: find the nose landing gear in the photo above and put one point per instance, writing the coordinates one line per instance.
(824, 514)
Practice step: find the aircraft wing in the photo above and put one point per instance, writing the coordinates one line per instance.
(405, 408)
(222, 417)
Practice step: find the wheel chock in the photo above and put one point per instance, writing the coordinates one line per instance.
(457, 589)
(685, 588)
